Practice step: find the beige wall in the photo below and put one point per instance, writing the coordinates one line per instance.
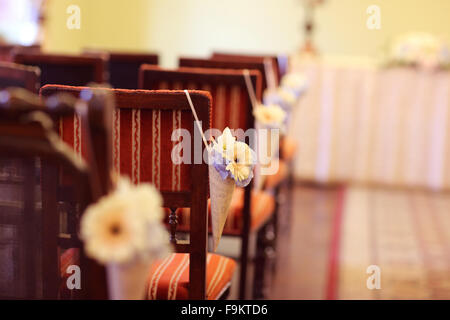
(116, 24)
(342, 23)
(195, 27)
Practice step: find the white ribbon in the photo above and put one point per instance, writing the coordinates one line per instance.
(270, 74)
(250, 89)
(197, 121)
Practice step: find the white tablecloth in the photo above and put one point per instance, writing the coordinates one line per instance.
(365, 124)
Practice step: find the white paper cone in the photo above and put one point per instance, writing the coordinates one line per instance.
(127, 281)
(267, 150)
(221, 192)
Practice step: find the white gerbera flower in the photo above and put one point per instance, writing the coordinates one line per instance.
(125, 225)
(112, 232)
(241, 163)
(271, 115)
(224, 143)
(145, 198)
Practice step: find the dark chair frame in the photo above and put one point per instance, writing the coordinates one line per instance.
(27, 130)
(27, 76)
(197, 197)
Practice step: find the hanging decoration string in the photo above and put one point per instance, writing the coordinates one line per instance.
(270, 73)
(250, 89)
(197, 121)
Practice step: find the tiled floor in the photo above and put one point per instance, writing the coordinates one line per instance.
(304, 250)
(405, 233)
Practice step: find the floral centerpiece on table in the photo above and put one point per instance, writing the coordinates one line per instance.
(421, 49)
(124, 231)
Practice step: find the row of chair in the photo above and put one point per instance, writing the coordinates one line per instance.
(253, 212)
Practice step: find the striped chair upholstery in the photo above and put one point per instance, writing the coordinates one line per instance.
(231, 105)
(143, 123)
(231, 108)
(169, 278)
(67, 258)
(139, 141)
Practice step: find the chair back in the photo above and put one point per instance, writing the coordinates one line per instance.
(37, 217)
(232, 106)
(65, 69)
(124, 67)
(15, 75)
(143, 141)
(226, 64)
(251, 58)
(7, 50)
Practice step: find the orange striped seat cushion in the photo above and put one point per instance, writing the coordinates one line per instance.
(169, 278)
(261, 209)
(68, 257)
(288, 148)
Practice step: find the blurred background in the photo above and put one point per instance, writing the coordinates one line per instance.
(196, 27)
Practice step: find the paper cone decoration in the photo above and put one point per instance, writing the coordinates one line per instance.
(267, 146)
(221, 192)
(127, 281)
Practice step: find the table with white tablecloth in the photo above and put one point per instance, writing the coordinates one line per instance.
(373, 125)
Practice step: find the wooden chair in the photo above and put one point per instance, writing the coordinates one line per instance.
(36, 168)
(123, 67)
(142, 128)
(251, 58)
(65, 69)
(250, 211)
(15, 75)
